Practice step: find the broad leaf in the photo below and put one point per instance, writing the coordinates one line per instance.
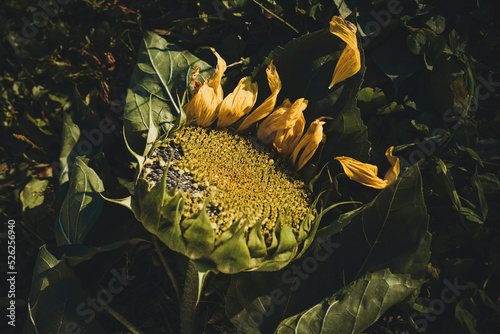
(82, 205)
(390, 232)
(159, 86)
(55, 297)
(355, 307)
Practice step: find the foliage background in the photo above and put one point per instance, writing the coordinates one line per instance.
(80, 62)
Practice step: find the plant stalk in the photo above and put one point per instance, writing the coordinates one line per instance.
(189, 301)
(170, 272)
(121, 319)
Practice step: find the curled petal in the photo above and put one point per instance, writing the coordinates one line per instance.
(349, 62)
(345, 30)
(268, 105)
(238, 103)
(207, 97)
(366, 174)
(284, 126)
(393, 172)
(189, 109)
(308, 145)
(196, 84)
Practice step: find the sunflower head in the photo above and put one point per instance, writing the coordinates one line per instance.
(225, 201)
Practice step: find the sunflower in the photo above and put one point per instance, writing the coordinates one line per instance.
(224, 189)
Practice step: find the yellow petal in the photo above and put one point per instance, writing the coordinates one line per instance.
(190, 111)
(238, 103)
(393, 172)
(265, 133)
(207, 97)
(345, 30)
(268, 105)
(363, 173)
(366, 174)
(308, 145)
(349, 62)
(284, 126)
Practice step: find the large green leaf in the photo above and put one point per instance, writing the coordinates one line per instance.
(55, 297)
(82, 205)
(159, 87)
(355, 307)
(390, 232)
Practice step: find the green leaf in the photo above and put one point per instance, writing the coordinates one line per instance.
(397, 62)
(447, 183)
(160, 86)
(436, 47)
(34, 201)
(468, 314)
(82, 205)
(436, 23)
(344, 11)
(390, 108)
(422, 128)
(417, 43)
(390, 232)
(371, 98)
(355, 307)
(347, 136)
(55, 296)
(70, 135)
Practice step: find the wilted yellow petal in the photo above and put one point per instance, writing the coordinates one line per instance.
(349, 62)
(268, 105)
(345, 30)
(393, 172)
(264, 132)
(284, 126)
(188, 109)
(207, 97)
(366, 174)
(308, 145)
(238, 103)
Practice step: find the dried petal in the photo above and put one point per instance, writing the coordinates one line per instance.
(284, 126)
(349, 62)
(268, 105)
(308, 145)
(206, 99)
(238, 103)
(366, 174)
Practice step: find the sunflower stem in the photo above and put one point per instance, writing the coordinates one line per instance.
(121, 319)
(169, 270)
(276, 16)
(189, 301)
